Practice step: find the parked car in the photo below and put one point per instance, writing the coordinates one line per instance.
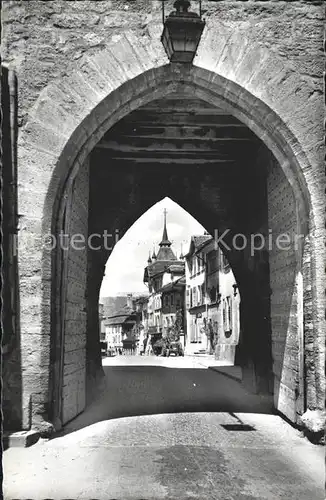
(174, 348)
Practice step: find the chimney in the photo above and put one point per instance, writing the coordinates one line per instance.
(129, 301)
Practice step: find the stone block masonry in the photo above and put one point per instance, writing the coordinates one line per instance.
(82, 65)
(285, 317)
(74, 370)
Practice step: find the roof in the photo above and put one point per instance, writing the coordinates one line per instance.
(165, 240)
(180, 283)
(121, 317)
(198, 242)
(163, 266)
(116, 320)
(160, 262)
(165, 253)
(178, 267)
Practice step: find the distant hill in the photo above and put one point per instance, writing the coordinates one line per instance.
(113, 305)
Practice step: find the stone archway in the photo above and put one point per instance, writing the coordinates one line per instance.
(67, 121)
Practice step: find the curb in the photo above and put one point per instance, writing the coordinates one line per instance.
(229, 375)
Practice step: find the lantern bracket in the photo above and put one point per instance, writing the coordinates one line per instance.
(182, 31)
(183, 5)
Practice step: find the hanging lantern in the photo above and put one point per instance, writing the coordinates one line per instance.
(182, 32)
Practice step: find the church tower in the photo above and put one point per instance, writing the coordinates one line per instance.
(165, 252)
(162, 262)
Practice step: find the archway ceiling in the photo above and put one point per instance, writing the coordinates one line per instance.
(184, 148)
(179, 130)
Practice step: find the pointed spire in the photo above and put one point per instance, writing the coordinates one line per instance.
(149, 260)
(154, 256)
(165, 240)
(181, 254)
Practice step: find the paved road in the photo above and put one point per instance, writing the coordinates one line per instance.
(169, 429)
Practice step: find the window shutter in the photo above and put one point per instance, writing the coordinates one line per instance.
(188, 299)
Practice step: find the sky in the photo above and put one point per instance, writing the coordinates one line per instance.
(125, 267)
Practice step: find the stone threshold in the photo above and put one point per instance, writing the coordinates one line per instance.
(19, 439)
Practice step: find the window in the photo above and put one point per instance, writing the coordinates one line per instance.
(193, 333)
(227, 314)
(225, 263)
(194, 296)
(200, 263)
(172, 300)
(200, 298)
(212, 261)
(188, 298)
(203, 293)
(166, 300)
(212, 294)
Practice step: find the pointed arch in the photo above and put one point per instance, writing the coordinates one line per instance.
(70, 117)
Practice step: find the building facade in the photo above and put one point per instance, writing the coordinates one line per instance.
(212, 301)
(121, 331)
(101, 319)
(173, 313)
(141, 307)
(164, 277)
(124, 329)
(113, 333)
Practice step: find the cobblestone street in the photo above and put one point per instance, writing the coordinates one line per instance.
(242, 452)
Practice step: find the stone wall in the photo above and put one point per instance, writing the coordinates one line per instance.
(74, 369)
(77, 63)
(11, 355)
(47, 40)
